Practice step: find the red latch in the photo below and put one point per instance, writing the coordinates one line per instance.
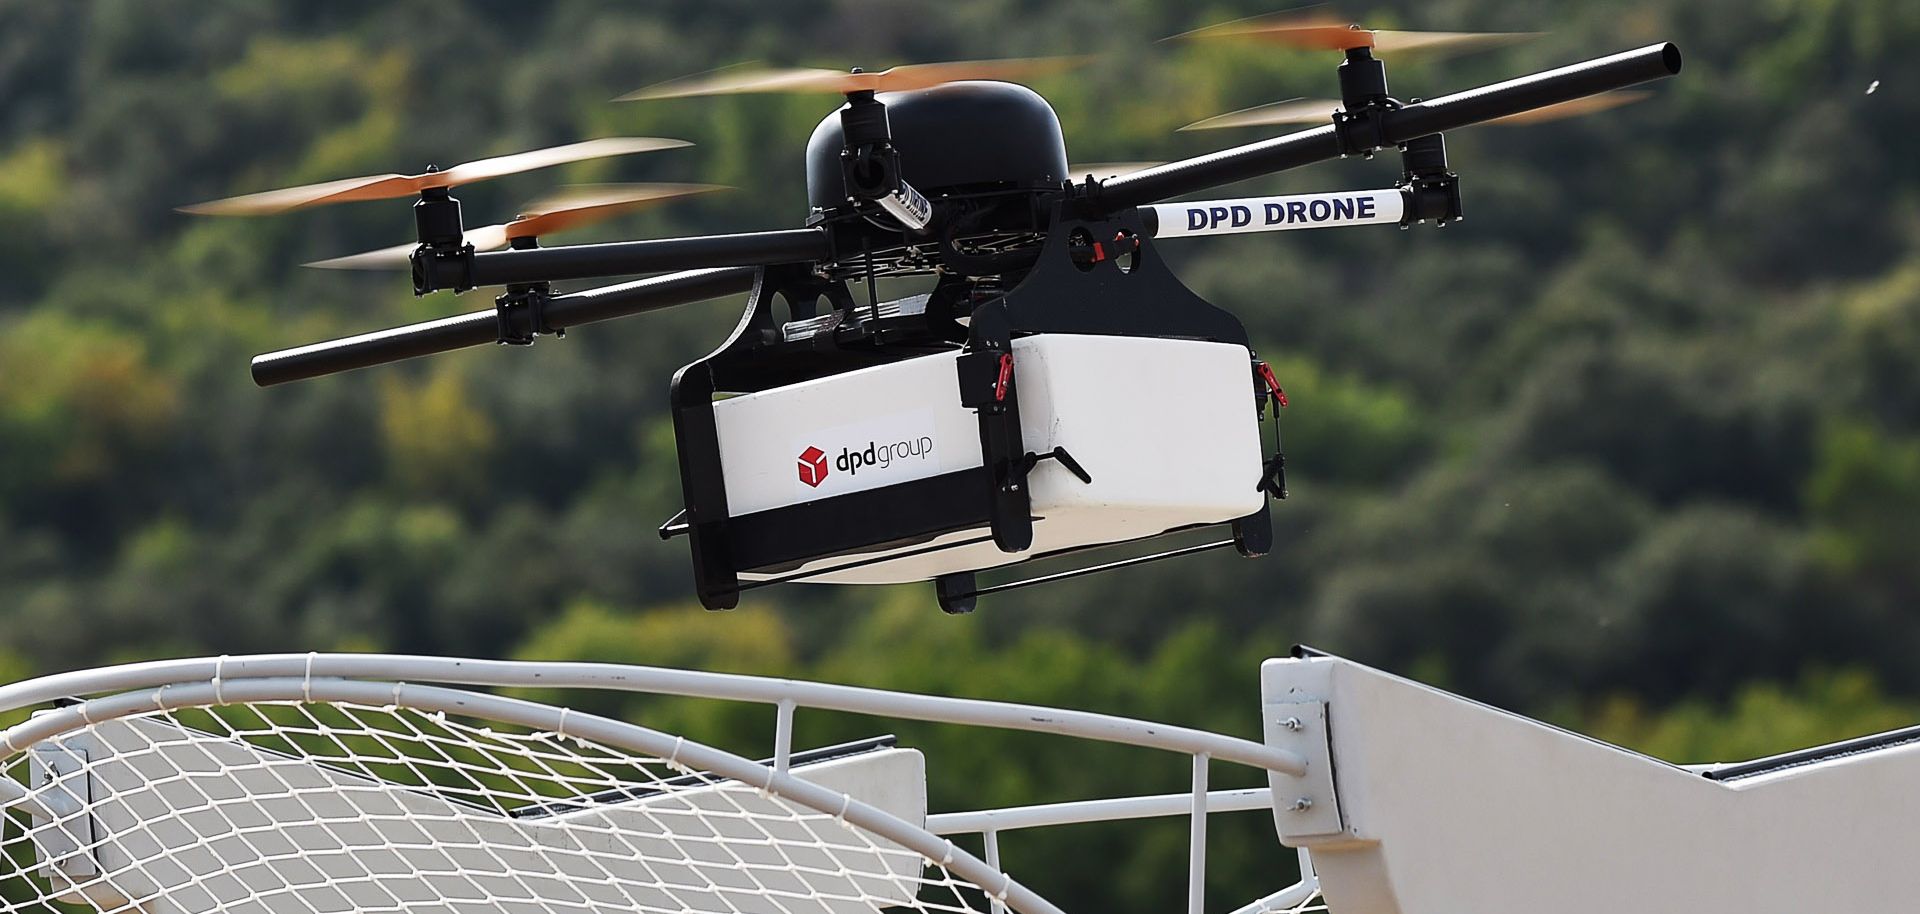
(1006, 377)
(1273, 384)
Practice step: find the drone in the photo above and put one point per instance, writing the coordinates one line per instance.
(1058, 391)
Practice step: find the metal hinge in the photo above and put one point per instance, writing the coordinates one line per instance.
(1305, 808)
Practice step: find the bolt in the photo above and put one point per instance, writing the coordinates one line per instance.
(1301, 805)
(1292, 724)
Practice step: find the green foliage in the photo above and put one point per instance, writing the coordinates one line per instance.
(32, 180)
(78, 403)
(1345, 430)
(437, 441)
(1865, 498)
(1820, 706)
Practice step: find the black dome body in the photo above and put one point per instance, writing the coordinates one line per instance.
(955, 137)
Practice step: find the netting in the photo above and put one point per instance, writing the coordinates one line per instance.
(323, 808)
(1310, 904)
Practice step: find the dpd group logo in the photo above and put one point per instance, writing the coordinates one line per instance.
(813, 466)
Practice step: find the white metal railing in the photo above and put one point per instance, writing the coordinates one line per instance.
(1107, 810)
(344, 677)
(661, 681)
(989, 823)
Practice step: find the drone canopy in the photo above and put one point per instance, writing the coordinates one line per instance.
(963, 136)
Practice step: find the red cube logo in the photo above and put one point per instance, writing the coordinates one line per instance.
(813, 466)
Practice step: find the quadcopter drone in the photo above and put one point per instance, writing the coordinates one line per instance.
(1058, 390)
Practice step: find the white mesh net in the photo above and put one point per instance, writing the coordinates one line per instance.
(1308, 905)
(322, 808)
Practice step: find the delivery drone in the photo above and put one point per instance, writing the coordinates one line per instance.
(1057, 391)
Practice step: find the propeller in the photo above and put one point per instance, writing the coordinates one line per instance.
(1316, 28)
(570, 207)
(381, 187)
(1320, 110)
(1104, 170)
(747, 78)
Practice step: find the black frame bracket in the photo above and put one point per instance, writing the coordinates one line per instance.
(520, 314)
(1432, 191)
(988, 387)
(870, 164)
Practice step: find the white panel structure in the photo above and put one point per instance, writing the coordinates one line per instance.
(184, 821)
(1449, 805)
(1168, 429)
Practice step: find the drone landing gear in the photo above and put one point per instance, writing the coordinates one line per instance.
(958, 593)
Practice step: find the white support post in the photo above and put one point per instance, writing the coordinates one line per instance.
(992, 839)
(15, 797)
(1197, 839)
(782, 735)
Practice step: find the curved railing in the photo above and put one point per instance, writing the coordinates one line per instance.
(786, 693)
(421, 683)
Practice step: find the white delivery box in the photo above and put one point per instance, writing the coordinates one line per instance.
(1168, 430)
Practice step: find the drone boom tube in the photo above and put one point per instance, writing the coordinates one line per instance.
(620, 258)
(1287, 212)
(1408, 122)
(482, 327)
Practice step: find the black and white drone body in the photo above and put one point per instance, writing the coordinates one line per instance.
(1057, 390)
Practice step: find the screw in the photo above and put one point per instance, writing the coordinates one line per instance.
(1301, 805)
(1292, 724)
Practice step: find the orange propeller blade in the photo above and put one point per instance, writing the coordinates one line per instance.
(746, 79)
(1319, 29)
(571, 207)
(586, 204)
(381, 187)
(1575, 108)
(399, 256)
(1104, 170)
(1305, 17)
(1320, 111)
(1454, 42)
(1291, 111)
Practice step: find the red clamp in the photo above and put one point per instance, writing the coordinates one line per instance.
(1122, 244)
(1006, 377)
(1273, 384)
